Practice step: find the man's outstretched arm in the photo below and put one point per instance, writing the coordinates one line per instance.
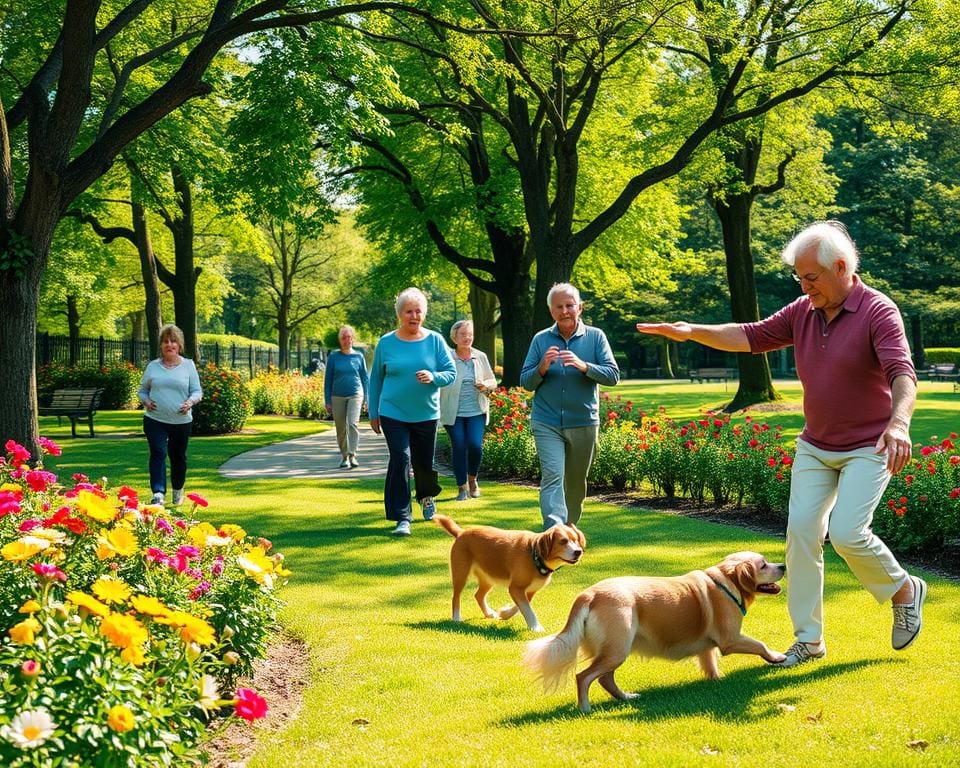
(729, 337)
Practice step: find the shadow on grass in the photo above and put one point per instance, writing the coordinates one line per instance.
(494, 630)
(725, 699)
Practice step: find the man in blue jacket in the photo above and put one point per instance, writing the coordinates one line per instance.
(565, 364)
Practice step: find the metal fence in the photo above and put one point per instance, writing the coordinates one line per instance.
(100, 351)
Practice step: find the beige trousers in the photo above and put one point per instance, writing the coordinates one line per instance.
(836, 493)
(346, 417)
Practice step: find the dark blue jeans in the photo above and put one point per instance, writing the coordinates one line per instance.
(167, 439)
(409, 443)
(466, 445)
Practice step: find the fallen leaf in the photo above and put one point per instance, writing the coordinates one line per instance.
(786, 707)
(918, 744)
(815, 718)
(360, 721)
(708, 750)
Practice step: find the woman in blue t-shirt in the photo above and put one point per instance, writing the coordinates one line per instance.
(344, 390)
(409, 367)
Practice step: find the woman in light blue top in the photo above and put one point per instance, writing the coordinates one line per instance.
(344, 390)
(465, 409)
(169, 389)
(565, 364)
(409, 367)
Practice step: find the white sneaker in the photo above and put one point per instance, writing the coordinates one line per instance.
(177, 497)
(344, 464)
(801, 653)
(353, 461)
(402, 529)
(158, 499)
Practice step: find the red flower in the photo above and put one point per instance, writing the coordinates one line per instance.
(197, 499)
(772, 461)
(250, 705)
(17, 453)
(955, 493)
(38, 479)
(48, 446)
(908, 479)
(955, 460)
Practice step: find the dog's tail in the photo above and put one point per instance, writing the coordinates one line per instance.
(552, 658)
(448, 525)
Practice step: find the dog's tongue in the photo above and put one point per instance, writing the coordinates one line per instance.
(769, 589)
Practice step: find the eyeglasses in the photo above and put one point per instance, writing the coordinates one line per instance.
(809, 278)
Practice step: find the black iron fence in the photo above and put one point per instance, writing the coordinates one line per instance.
(100, 351)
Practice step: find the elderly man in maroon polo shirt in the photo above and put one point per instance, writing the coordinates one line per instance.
(859, 390)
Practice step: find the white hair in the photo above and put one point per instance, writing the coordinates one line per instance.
(344, 329)
(567, 288)
(411, 294)
(457, 326)
(831, 242)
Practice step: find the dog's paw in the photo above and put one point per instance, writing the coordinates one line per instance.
(776, 658)
(537, 628)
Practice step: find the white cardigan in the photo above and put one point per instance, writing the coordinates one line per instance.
(450, 394)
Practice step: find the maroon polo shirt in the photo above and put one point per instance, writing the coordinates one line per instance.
(846, 366)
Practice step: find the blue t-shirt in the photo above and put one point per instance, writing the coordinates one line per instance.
(168, 388)
(344, 376)
(394, 390)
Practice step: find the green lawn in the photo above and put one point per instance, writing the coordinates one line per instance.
(395, 683)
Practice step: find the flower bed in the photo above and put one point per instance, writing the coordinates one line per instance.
(288, 394)
(123, 624)
(722, 460)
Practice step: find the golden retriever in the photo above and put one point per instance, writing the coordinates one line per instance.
(521, 561)
(697, 614)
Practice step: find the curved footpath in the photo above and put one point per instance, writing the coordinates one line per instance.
(313, 456)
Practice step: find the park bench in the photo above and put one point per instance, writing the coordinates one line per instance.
(702, 375)
(945, 372)
(75, 404)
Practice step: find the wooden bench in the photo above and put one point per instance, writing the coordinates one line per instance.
(702, 375)
(76, 404)
(945, 372)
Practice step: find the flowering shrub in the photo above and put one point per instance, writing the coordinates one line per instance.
(225, 404)
(119, 381)
(122, 623)
(921, 507)
(508, 447)
(287, 394)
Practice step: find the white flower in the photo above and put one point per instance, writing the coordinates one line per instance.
(29, 729)
(219, 541)
(209, 693)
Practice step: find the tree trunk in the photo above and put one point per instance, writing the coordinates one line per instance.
(73, 329)
(916, 338)
(148, 271)
(516, 327)
(756, 383)
(183, 282)
(483, 309)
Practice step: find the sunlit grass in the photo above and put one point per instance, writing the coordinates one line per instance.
(395, 683)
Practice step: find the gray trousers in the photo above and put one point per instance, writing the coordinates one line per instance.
(566, 455)
(346, 417)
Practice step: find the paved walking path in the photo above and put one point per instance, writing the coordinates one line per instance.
(313, 456)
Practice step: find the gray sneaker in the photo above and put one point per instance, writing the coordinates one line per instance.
(157, 499)
(402, 529)
(800, 653)
(353, 461)
(908, 619)
(462, 495)
(428, 507)
(177, 497)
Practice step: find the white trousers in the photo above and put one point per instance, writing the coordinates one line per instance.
(835, 492)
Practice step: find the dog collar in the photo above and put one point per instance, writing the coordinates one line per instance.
(539, 564)
(728, 593)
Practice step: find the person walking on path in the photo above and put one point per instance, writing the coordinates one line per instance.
(409, 367)
(345, 383)
(169, 389)
(465, 409)
(859, 390)
(564, 366)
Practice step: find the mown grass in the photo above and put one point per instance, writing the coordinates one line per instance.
(394, 682)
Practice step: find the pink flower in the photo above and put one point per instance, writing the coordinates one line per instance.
(49, 571)
(163, 525)
(217, 568)
(9, 503)
(189, 552)
(202, 588)
(30, 668)
(197, 499)
(48, 446)
(250, 705)
(17, 453)
(39, 479)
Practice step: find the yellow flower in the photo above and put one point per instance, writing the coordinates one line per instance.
(257, 566)
(235, 532)
(209, 694)
(119, 541)
(198, 534)
(123, 631)
(133, 655)
(111, 590)
(92, 505)
(91, 604)
(120, 719)
(10, 487)
(31, 606)
(192, 629)
(25, 632)
(18, 551)
(149, 605)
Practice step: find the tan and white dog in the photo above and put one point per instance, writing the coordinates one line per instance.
(697, 614)
(521, 561)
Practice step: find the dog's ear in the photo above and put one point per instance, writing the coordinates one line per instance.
(581, 539)
(745, 576)
(544, 544)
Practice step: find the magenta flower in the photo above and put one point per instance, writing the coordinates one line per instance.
(39, 479)
(163, 525)
(49, 447)
(49, 571)
(250, 705)
(197, 499)
(17, 453)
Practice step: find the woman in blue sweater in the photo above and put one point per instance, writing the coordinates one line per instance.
(344, 390)
(409, 367)
(169, 389)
